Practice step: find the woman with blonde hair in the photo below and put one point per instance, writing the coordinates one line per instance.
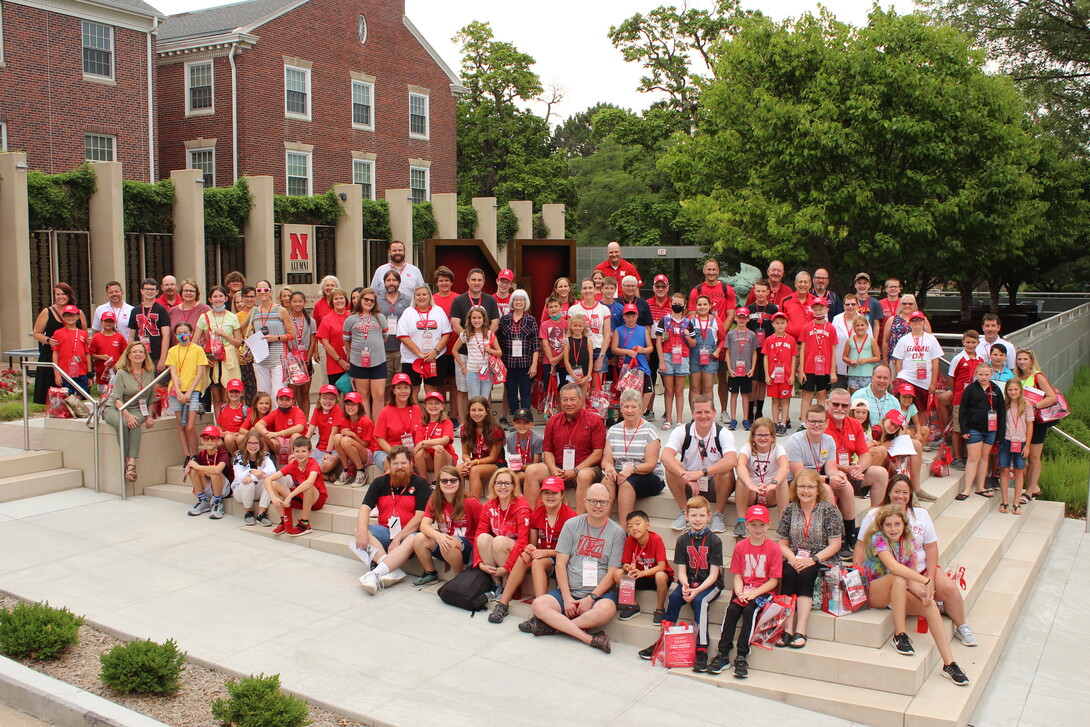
(135, 370)
(1028, 371)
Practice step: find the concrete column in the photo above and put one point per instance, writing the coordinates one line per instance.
(349, 258)
(553, 215)
(260, 255)
(524, 211)
(189, 226)
(107, 228)
(486, 222)
(401, 220)
(445, 207)
(16, 316)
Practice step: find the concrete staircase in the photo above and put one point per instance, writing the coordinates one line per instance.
(29, 474)
(848, 669)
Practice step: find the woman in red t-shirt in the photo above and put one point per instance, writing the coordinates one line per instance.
(355, 442)
(449, 520)
(331, 336)
(397, 421)
(504, 528)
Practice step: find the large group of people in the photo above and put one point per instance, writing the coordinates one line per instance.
(408, 383)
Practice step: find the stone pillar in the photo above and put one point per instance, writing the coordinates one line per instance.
(401, 220)
(524, 211)
(486, 222)
(553, 215)
(189, 227)
(445, 207)
(16, 316)
(260, 255)
(107, 228)
(349, 257)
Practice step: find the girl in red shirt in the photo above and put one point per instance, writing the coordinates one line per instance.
(398, 420)
(260, 408)
(449, 520)
(327, 420)
(434, 436)
(482, 445)
(234, 417)
(355, 441)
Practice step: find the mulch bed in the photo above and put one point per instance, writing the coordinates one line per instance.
(190, 707)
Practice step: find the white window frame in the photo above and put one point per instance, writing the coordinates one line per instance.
(113, 146)
(306, 79)
(200, 150)
(111, 50)
(427, 115)
(189, 110)
(369, 164)
(3, 136)
(288, 175)
(2, 35)
(427, 183)
(371, 89)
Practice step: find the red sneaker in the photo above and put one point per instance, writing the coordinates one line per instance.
(294, 530)
(280, 527)
(300, 529)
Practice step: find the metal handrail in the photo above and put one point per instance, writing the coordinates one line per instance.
(121, 427)
(24, 365)
(1074, 441)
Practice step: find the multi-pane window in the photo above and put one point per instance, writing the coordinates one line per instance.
(418, 114)
(199, 87)
(363, 174)
(205, 160)
(362, 103)
(98, 147)
(418, 184)
(297, 91)
(98, 50)
(298, 173)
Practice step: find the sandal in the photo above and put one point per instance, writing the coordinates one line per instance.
(1003, 508)
(1026, 498)
(798, 641)
(961, 496)
(985, 493)
(1017, 510)
(785, 639)
(130, 472)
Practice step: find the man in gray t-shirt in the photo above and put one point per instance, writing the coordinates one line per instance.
(588, 556)
(392, 304)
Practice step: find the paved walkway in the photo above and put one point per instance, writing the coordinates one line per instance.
(256, 604)
(14, 718)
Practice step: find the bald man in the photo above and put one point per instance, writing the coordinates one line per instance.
(170, 297)
(614, 266)
(777, 291)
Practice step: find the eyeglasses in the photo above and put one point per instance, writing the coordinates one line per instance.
(840, 405)
(660, 285)
(762, 435)
(816, 424)
(597, 503)
(806, 487)
(263, 290)
(505, 484)
(448, 480)
(372, 301)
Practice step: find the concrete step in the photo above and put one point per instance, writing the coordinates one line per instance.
(33, 484)
(25, 463)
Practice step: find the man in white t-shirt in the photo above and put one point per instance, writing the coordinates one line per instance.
(115, 303)
(599, 321)
(411, 276)
(706, 465)
(912, 359)
(990, 326)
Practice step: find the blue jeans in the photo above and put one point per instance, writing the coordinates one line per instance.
(477, 387)
(518, 388)
(701, 605)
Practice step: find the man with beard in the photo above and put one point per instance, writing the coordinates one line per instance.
(411, 276)
(853, 457)
(614, 266)
(152, 323)
(777, 291)
(392, 303)
(821, 290)
(170, 297)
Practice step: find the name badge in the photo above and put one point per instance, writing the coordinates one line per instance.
(516, 347)
(993, 421)
(740, 368)
(702, 484)
(705, 356)
(514, 461)
(843, 459)
(428, 339)
(675, 352)
(484, 373)
(143, 404)
(365, 359)
(760, 337)
(778, 375)
(568, 462)
(1016, 446)
(394, 524)
(803, 553)
(391, 324)
(577, 371)
(590, 573)
(921, 371)
(626, 594)
(407, 439)
(147, 342)
(819, 365)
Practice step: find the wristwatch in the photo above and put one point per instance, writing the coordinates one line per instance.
(575, 471)
(594, 597)
(816, 559)
(704, 470)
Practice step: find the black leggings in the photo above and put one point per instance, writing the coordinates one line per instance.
(798, 584)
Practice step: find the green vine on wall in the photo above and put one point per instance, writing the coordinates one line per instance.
(226, 210)
(60, 201)
(321, 209)
(425, 226)
(376, 219)
(541, 230)
(467, 222)
(507, 226)
(148, 207)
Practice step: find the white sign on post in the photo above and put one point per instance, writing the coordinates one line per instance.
(298, 250)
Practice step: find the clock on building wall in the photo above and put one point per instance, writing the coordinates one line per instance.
(361, 29)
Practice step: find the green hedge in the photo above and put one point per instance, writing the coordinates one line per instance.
(226, 211)
(59, 201)
(507, 226)
(321, 209)
(1065, 466)
(376, 219)
(467, 222)
(148, 207)
(425, 225)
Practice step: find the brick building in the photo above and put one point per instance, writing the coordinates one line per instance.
(76, 83)
(311, 92)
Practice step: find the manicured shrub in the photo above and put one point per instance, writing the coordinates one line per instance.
(257, 701)
(38, 631)
(143, 667)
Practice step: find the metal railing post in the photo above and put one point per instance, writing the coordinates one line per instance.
(1086, 449)
(26, 411)
(64, 375)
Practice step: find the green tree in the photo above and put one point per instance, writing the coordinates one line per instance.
(575, 137)
(1044, 45)
(503, 150)
(886, 148)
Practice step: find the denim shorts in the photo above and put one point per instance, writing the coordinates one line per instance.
(381, 533)
(676, 369)
(976, 436)
(1009, 459)
(194, 403)
(610, 595)
(467, 551)
(696, 368)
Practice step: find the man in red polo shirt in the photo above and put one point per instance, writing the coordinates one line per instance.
(614, 266)
(170, 297)
(853, 456)
(574, 441)
(798, 307)
(777, 291)
(724, 302)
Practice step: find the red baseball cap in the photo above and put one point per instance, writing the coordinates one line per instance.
(895, 416)
(905, 389)
(553, 484)
(401, 379)
(285, 391)
(779, 314)
(917, 316)
(435, 395)
(630, 308)
(354, 396)
(107, 316)
(235, 385)
(742, 312)
(506, 274)
(660, 278)
(328, 389)
(211, 432)
(820, 301)
(758, 512)
(70, 309)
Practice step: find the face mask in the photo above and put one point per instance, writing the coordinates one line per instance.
(285, 409)
(183, 337)
(219, 308)
(676, 308)
(556, 317)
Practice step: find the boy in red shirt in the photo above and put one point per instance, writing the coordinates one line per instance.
(817, 367)
(72, 354)
(211, 473)
(780, 352)
(232, 417)
(297, 485)
(106, 347)
(282, 423)
(644, 561)
(757, 565)
(961, 374)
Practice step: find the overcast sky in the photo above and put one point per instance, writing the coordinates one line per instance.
(568, 38)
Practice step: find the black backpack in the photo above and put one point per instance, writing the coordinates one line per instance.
(467, 590)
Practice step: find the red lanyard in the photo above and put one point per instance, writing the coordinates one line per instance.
(579, 349)
(816, 452)
(516, 325)
(299, 323)
(406, 421)
(425, 320)
(475, 303)
(599, 536)
(859, 348)
(628, 442)
(433, 429)
(578, 420)
(806, 520)
(761, 467)
(524, 453)
(628, 338)
(988, 393)
(548, 529)
(479, 450)
(636, 556)
(502, 528)
(704, 328)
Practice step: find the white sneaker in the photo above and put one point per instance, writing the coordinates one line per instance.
(370, 583)
(361, 479)
(723, 418)
(965, 633)
(395, 576)
(718, 526)
(343, 479)
(680, 523)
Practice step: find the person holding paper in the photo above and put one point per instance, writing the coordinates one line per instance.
(271, 322)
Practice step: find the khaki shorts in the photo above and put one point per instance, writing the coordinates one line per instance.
(956, 418)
